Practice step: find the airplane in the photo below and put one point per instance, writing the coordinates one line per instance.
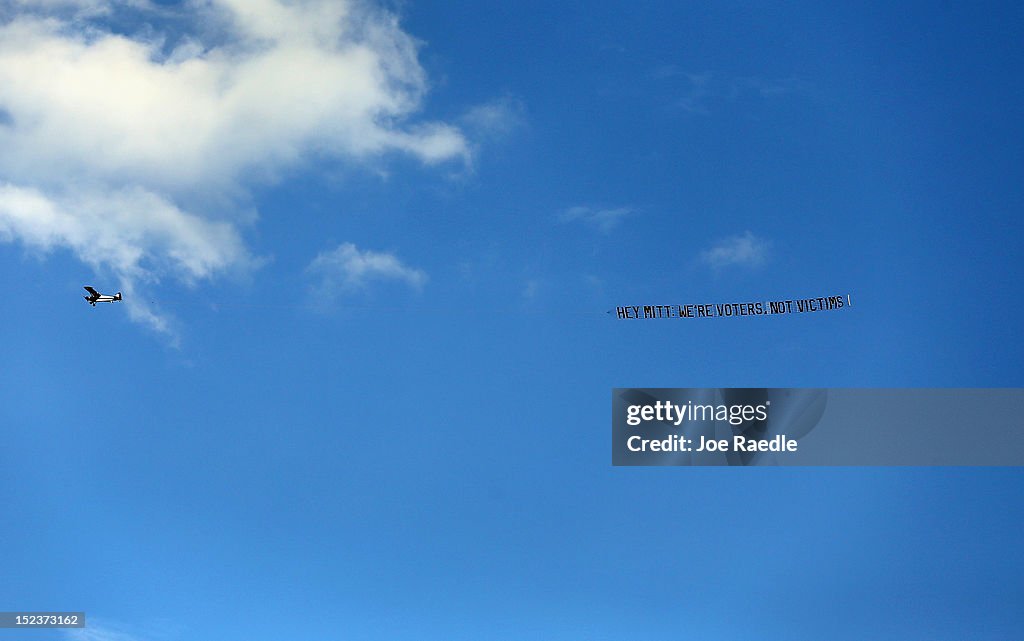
(96, 297)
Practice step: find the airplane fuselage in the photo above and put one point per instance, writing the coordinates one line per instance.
(96, 297)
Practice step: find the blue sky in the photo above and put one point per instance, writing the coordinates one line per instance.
(359, 385)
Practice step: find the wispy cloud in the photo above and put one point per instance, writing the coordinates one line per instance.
(348, 269)
(496, 118)
(93, 633)
(80, 8)
(129, 147)
(602, 219)
(106, 631)
(697, 91)
(700, 92)
(741, 251)
(130, 233)
(531, 289)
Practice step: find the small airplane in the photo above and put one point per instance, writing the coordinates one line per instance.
(96, 297)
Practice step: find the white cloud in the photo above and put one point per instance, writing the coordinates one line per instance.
(745, 251)
(698, 90)
(296, 79)
(106, 632)
(496, 118)
(602, 219)
(132, 234)
(703, 92)
(348, 269)
(161, 629)
(90, 633)
(109, 138)
(531, 289)
(80, 7)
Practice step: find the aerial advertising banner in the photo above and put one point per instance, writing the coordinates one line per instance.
(718, 310)
(798, 426)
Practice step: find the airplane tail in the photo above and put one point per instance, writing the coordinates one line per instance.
(117, 296)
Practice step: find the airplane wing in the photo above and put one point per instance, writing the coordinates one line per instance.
(91, 291)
